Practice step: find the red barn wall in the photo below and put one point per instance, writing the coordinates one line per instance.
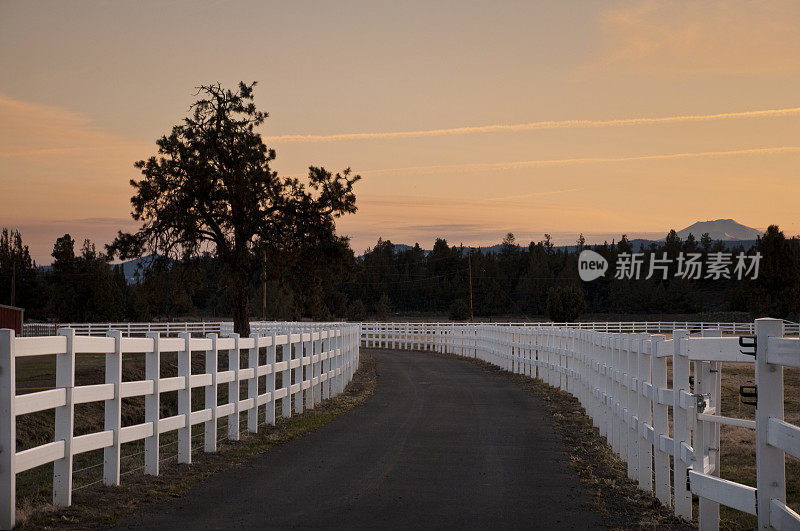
(11, 317)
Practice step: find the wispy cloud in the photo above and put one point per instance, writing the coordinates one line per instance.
(37, 135)
(712, 37)
(434, 202)
(527, 196)
(533, 126)
(584, 160)
(24, 153)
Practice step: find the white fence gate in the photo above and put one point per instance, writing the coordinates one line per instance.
(621, 380)
(317, 361)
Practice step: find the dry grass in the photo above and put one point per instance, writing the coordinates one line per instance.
(738, 457)
(97, 505)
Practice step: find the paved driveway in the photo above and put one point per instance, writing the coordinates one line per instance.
(441, 444)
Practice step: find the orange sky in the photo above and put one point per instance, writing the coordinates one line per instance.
(466, 120)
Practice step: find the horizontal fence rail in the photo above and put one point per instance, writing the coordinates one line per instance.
(621, 379)
(202, 328)
(127, 329)
(653, 327)
(315, 361)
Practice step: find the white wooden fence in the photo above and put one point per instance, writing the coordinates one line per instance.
(317, 361)
(384, 329)
(618, 370)
(621, 380)
(141, 329)
(127, 329)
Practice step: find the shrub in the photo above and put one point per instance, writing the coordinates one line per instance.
(459, 310)
(356, 311)
(382, 307)
(565, 303)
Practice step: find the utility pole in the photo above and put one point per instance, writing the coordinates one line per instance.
(469, 267)
(13, 283)
(264, 289)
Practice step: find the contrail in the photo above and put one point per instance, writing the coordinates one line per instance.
(585, 160)
(532, 126)
(498, 202)
(526, 196)
(33, 152)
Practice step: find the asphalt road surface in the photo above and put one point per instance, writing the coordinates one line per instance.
(441, 444)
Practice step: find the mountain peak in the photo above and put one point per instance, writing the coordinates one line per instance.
(720, 229)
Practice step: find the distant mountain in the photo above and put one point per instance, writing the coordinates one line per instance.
(720, 229)
(731, 233)
(133, 270)
(401, 247)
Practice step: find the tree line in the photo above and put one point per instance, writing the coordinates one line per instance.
(542, 280)
(329, 282)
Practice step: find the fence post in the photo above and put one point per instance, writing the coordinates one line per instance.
(297, 350)
(210, 437)
(340, 360)
(348, 357)
(680, 416)
(307, 371)
(333, 391)
(286, 375)
(619, 397)
(318, 366)
(65, 421)
(645, 414)
(326, 364)
(270, 383)
(342, 378)
(234, 364)
(113, 410)
(8, 430)
(185, 399)
(354, 334)
(559, 352)
(252, 384)
(152, 405)
(607, 344)
(548, 346)
(660, 421)
(633, 344)
(706, 379)
(770, 460)
(534, 353)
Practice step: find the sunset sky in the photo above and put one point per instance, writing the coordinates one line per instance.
(466, 120)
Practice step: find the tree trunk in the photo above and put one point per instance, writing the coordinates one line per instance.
(241, 305)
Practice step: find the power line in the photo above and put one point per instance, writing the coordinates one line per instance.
(399, 264)
(404, 281)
